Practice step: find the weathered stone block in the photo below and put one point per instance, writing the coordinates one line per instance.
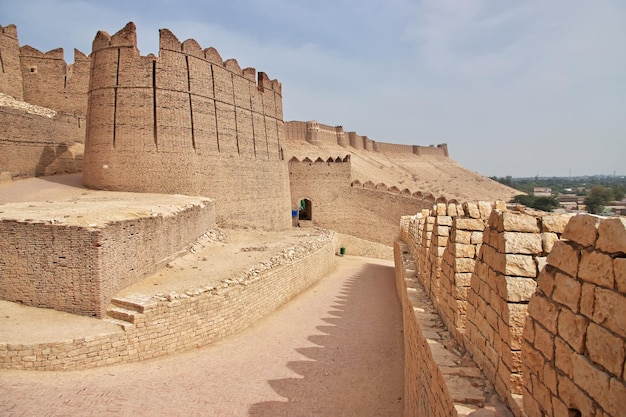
(461, 236)
(544, 312)
(517, 289)
(596, 267)
(612, 235)
(587, 299)
(591, 379)
(524, 243)
(563, 355)
(564, 257)
(464, 265)
(605, 349)
(572, 328)
(518, 222)
(471, 210)
(582, 229)
(485, 209)
(469, 224)
(548, 240)
(610, 310)
(567, 291)
(555, 223)
(520, 265)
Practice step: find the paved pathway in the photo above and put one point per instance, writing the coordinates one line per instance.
(335, 350)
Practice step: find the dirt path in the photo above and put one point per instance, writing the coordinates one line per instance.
(335, 350)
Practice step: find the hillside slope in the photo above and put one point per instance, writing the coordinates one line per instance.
(438, 175)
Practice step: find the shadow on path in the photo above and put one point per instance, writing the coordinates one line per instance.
(356, 365)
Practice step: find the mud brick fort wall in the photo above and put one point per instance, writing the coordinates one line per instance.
(535, 300)
(347, 207)
(42, 109)
(186, 122)
(76, 262)
(317, 134)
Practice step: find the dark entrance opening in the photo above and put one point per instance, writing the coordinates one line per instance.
(305, 210)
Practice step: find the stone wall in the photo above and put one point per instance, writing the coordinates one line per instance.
(65, 256)
(573, 358)
(481, 267)
(173, 323)
(187, 122)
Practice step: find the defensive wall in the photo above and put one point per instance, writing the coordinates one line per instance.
(317, 134)
(186, 122)
(536, 300)
(347, 207)
(68, 257)
(153, 326)
(42, 109)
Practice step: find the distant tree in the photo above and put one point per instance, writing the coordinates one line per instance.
(524, 199)
(598, 197)
(618, 192)
(539, 203)
(545, 203)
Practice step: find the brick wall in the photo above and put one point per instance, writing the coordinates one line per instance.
(11, 81)
(347, 209)
(317, 134)
(35, 143)
(75, 262)
(173, 323)
(187, 122)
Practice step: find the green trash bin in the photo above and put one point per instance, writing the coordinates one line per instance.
(342, 251)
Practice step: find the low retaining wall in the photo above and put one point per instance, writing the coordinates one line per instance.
(163, 325)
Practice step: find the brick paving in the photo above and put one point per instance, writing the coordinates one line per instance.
(335, 350)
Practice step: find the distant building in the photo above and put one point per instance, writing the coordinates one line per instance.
(542, 192)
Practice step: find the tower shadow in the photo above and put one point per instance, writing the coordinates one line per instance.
(356, 367)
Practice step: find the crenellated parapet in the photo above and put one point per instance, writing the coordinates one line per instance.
(187, 122)
(319, 134)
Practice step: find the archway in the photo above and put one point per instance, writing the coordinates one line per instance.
(306, 209)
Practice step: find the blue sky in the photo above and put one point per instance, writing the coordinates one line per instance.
(521, 88)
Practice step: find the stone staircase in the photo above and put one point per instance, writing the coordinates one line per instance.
(124, 311)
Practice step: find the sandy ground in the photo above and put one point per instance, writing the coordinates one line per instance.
(334, 350)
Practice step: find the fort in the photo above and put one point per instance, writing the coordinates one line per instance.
(172, 151)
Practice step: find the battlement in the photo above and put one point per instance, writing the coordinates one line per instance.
(214, 126)
(317, 134)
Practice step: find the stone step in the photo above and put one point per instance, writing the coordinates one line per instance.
(120, 313)
(129, 304)
(123, 324)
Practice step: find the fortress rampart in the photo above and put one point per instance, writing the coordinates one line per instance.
(42, 79)
(43, 102)
(347, 207)
(186, 122)
(532, 298)
(317, 134)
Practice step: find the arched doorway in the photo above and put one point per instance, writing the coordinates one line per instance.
(306, 210)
